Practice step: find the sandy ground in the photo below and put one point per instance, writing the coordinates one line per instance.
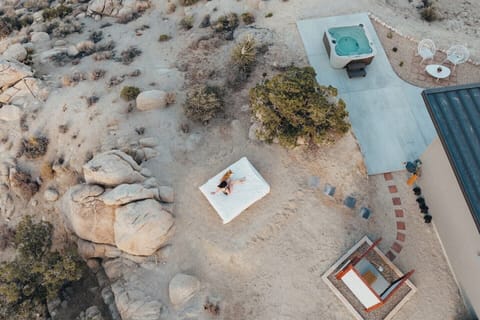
(268, 262)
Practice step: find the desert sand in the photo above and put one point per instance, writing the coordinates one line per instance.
(268, 262)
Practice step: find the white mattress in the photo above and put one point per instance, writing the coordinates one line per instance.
(243, 195)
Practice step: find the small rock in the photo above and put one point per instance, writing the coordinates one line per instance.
(16, 51)
(146, 172)
(51, 195)
(60, 43)
(149, 142)
(166, 194)
(182, 287)
(39, 37)
(205, 22)
(93, 265)
(152, 99)
(150, 153)
(10, 113)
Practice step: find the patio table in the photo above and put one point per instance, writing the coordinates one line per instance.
(438, 71)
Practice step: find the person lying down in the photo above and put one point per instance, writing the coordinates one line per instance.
(226, 183)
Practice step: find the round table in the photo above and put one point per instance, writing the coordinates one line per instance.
(438, 71)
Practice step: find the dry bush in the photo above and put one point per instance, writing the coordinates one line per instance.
(92, 100)
(429, 13)
(7, 236)
(97, 74)
(171, 7)
(226, 23)
(242, 60)
(34, 147)
(96, 36)
(129, 93)
(187, 22)
(46, 171)
(247, 18)
(73, 79)
(86, 47)
(187, 2)
(102, 55)
(170, 98)
(58, 12)
(60, 59)
(203, 103)
(23, 182)
(36, 5)
(115, 81)
(61, 29)
(63, 128)
(128, 55)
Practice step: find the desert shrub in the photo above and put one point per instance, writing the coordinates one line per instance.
(186, 23)
(293, 106)
(61, 29)
(170, 98)
(36, 5)
(34, 147)
(8, 25)
(23, 182)
(164, 37)
(46, 170)
(96, 36)
(171, 7)
(187, 2)
(429, 13)
(269, 15)
(58, 12)
(129, 93)
(36, 274)
(244, 54)
(97, 74)
(127, 56)
(247, 18)
(226, 23)
(203, 103)
(7, 236)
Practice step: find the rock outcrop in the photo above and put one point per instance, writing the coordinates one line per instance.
(134, 303)
(117, 8)
(87, 216)
(16, 51)
(112, 168)
(10, 113)
(126, 193)
(142, 227)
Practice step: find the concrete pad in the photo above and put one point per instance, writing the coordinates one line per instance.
(388, 115)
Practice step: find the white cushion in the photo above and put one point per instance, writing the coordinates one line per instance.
(243, 195)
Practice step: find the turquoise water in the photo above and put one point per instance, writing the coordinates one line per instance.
(350, 41)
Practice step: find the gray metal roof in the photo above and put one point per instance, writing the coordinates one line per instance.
(455, 112)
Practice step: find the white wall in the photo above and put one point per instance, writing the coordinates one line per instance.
(453, 220)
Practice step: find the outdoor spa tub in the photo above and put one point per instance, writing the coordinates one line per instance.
(348, 44)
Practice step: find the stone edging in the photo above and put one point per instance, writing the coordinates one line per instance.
(391, 28)
(396, 247)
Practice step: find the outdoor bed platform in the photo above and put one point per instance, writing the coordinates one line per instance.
(368, 283)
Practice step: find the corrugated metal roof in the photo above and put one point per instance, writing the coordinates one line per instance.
(455, 111)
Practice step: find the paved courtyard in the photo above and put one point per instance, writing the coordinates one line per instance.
(388, 115)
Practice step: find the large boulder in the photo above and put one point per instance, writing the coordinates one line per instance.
(12, 72)
(39, 37)
(105, 7)
(133, 303)
(16, 51)
(112, 168)
(10, 113)
(152, 99)
(27, 88)
(126, 193)
(142, 227)
(182, 287)
(87, 216)
(87, 250)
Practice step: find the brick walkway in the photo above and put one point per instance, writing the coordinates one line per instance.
(401, 227)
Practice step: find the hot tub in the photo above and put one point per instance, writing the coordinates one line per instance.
(348, 44)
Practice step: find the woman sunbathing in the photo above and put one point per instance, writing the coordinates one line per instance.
(226, 184)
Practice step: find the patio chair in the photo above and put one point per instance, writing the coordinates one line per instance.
(426, 49)
(457, 54)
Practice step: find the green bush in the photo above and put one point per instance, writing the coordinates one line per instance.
(164, 37)
(247, 18)
(203, 103)
(129, 93)
(36, 274)
(293, 106)
(186, 23)
(244, 54)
